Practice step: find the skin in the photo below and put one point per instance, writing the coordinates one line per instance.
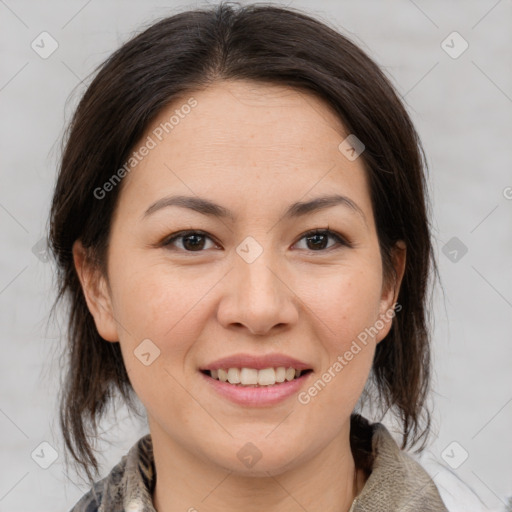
(253, 149)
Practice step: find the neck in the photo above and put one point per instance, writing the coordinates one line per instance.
(328, 482)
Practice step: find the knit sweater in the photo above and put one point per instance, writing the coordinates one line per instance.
(395, 482)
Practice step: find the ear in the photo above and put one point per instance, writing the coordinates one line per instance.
(390, 290)
(96, 292)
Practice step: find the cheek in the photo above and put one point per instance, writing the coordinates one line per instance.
(153, 305)
(153, 302)
(346, 307)
(346, 303)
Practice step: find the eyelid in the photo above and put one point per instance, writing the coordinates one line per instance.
(182, 234)
(341, 240)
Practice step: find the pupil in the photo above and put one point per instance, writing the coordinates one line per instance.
(315, 237)
(195, 243)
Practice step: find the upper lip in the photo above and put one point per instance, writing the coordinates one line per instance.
(257, 362)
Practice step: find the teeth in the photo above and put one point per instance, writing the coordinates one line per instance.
(280, 374)
(248, 376)
(253, 377)
(234, 376)
(267, 377)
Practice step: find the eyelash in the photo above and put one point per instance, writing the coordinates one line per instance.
(341, 241)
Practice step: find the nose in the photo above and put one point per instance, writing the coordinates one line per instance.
(257, 297)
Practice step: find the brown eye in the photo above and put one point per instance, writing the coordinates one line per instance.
(318, 240)
(189, 241)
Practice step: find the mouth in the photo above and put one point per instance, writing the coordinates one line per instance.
(255, 378)
(250, 380)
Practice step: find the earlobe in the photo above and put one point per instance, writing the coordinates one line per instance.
(96, 293)
(391, 290)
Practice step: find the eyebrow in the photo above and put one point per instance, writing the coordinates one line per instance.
(298, 209)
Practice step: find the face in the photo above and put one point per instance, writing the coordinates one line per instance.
(189, 283)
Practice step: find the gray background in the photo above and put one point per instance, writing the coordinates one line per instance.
(462, 109)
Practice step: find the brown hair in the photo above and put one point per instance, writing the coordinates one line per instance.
(187, 52)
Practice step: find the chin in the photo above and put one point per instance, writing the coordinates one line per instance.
(257, 459)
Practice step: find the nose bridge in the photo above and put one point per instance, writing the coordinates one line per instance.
(257, 284)
(257, 297)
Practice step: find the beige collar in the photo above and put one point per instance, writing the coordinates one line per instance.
(396, 483)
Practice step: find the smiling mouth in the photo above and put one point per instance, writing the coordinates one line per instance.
(251, 377)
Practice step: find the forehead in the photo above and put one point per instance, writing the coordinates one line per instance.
(249, 114)
(242, 139)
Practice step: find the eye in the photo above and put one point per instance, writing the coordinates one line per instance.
(190, 241)
(197, 241)
(317, 239)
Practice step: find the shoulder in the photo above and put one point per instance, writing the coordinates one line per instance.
(456, 494)
(399, 477)
(101, 494)
(395, 480)
(91, 501)
(129, 483)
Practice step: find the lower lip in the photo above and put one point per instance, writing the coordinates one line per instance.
(260, 396)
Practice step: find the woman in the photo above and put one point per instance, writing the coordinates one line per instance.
(241, 227)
